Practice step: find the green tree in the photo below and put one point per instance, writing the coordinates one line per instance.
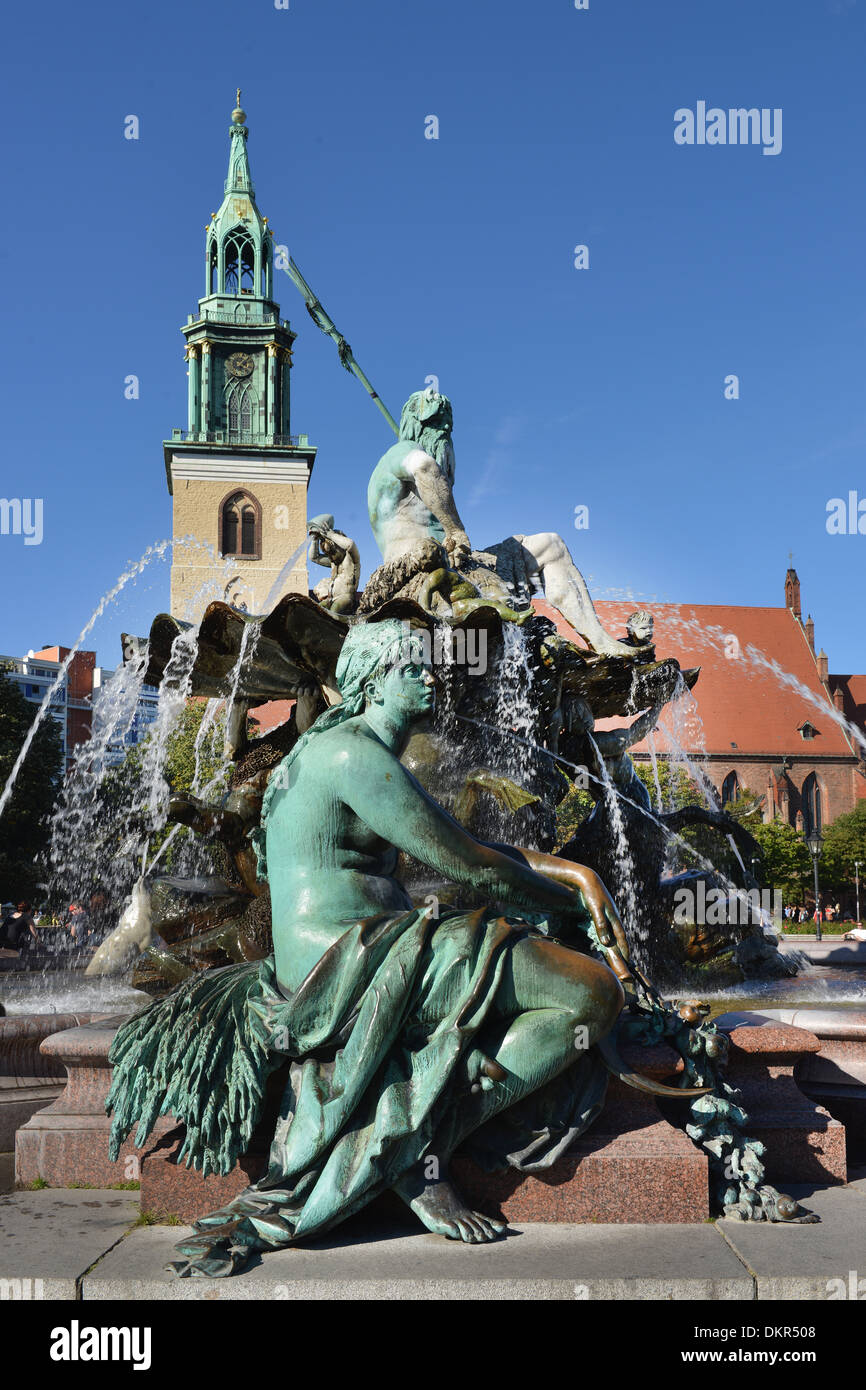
(787, 862)
(844, 843)
(22, 825)
(678, 787)
(574, 807)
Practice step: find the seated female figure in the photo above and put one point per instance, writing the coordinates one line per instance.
(408, 1030)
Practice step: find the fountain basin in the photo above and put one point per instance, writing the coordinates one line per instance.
(67, 1142)
(835, 1076)
(29, 1079)
(804, 1142)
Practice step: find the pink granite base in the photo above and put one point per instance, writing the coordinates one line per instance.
(803, 1142)
(28, 1079)
(67, 1142)
(631, 1166)
(169, 1188)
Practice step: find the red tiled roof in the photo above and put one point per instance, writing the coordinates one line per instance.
(271, 715)
(740, 700)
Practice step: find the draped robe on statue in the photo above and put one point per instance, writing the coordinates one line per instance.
(378, 1035)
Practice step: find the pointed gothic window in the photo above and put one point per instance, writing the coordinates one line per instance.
(248, 530)
(229, 544)
(242, 406)
(213, 268)
(239, 260)
(813, 818)
(730, 788)
(231, 254)
(240, 526)
(248, 262)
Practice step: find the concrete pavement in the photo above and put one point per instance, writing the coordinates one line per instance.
(82, 1244)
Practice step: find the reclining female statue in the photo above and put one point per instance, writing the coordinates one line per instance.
(408, 1031)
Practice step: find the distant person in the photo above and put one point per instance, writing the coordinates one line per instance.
(7, 912)
(21, 930)
(99, 914)
(77, 923)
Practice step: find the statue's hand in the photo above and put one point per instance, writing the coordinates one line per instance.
(458, 548)
(605, 917)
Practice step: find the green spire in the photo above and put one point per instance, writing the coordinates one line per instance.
(239, 177)
(239, 243)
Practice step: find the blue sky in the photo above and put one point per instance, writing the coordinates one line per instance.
(453, 257)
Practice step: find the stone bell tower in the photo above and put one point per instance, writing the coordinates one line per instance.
(237, 476)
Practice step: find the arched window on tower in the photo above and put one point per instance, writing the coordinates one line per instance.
(241, 412)
(213, 268)
(239, 260)
(813, 811)
(240, 526)
(248, 268)
(730, 788)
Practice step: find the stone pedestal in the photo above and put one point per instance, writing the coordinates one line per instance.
(28, 1079)
(168, 1188)
(835, 1077)
(633, 1165)
(803, 1141)
(67, 1142)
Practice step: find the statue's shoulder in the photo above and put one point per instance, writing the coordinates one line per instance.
(391, 462)
(342, 742)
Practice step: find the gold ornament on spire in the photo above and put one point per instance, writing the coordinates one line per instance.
(239, 115)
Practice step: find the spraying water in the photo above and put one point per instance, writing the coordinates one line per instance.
(152, 552)
(632, 920)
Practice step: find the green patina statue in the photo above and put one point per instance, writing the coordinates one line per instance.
(408, 1031)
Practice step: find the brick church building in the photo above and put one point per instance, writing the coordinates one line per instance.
(764, 718)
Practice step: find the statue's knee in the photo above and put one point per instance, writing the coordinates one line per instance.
(608, 999)
(547, 547)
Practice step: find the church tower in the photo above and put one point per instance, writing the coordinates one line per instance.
(237, 476)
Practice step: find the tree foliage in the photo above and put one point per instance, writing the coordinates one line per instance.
(187, 768)
(844, 843)
(787, 862)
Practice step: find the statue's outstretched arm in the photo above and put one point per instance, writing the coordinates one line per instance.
(614, 741)
(600, 906)
(396, 807)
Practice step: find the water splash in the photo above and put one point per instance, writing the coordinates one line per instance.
(654, 764)
(514, 682)
(153, 552)
(276, 588)
(91, 840)
(637, 933)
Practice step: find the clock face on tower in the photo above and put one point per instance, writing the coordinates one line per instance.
(239, 364)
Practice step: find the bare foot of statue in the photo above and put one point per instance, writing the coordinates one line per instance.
(437, 1203)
